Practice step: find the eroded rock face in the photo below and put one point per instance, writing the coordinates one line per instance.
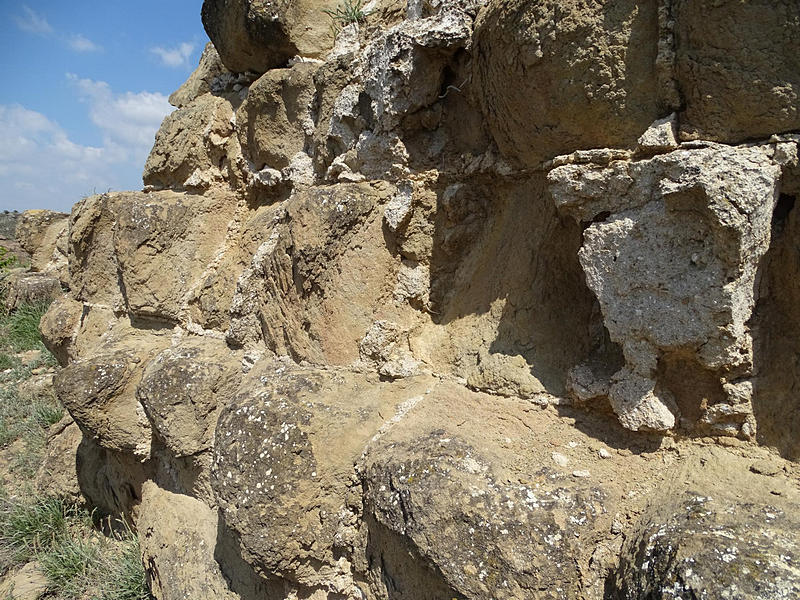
(178, 535)
(672, 254)
(331, 350)
(182, 391)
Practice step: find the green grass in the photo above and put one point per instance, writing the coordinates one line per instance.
(21, 328)
(68, 564)
(347, 13)
(30, 527)
(77, 560)
(127, 580)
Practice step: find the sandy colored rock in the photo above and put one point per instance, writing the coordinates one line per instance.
(28, 583)
(31, 288)
(301, 432)
(738, 67)
(314, 283)
(59, 326)
(504, 375)
(42, 233)
(554, 77)
(183, 389)
(192, 146)
(57, 475)
(685, 225)
(276, 117)
(255, 35)
(100, 394)
(177, 535)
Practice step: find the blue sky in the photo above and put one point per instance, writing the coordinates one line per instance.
(84, 89)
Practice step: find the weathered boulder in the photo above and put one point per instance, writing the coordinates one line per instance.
(738, 68)
(43, 235)
(289, 440)
(555, 76)
(147, 252)
(178, 535)
(694, 543)
(192, 148)
(183, 389)
(313, 285)
(30, 288)
(276, 118)
(100, 394)
(59, 327)
(57, 475)
(660, 235)
(258, 35)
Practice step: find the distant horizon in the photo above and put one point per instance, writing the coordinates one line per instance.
(89, 89)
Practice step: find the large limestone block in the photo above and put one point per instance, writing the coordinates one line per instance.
(258, 35)
(315, 283)
(558, 76)
(59, 327)
(178, 537)
(43, 235)
(147, 253)
(738, 67)
(191, 149)
(57, 475)
(184, 388)
(31, 288)
(277, 116)
(92, 264)
(100, 394)
(671, 249)
(728, 533)
(284, 452)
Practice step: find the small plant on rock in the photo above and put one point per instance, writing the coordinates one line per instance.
(347, 13)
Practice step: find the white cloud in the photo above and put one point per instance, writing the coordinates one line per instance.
(41, 167)
(129, 119)
(174, 57)
(32, 22)
(80, 43)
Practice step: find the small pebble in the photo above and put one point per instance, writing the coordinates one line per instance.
(766, 467)
(603, 453)
(560, 459)
(581, 474)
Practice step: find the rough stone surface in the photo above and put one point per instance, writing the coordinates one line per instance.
(414, 314)
(682, 226)
(560, 76)
(192, 145)
(180, 392)
(31, 288)
(177, 535)
(256, 35)
(100, 393)
(737, 64)
(697, 546)
(29, 583)
(42, 234)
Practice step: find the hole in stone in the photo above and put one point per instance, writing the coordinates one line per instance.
(781, 213)
(598, 218)
(693, 387)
